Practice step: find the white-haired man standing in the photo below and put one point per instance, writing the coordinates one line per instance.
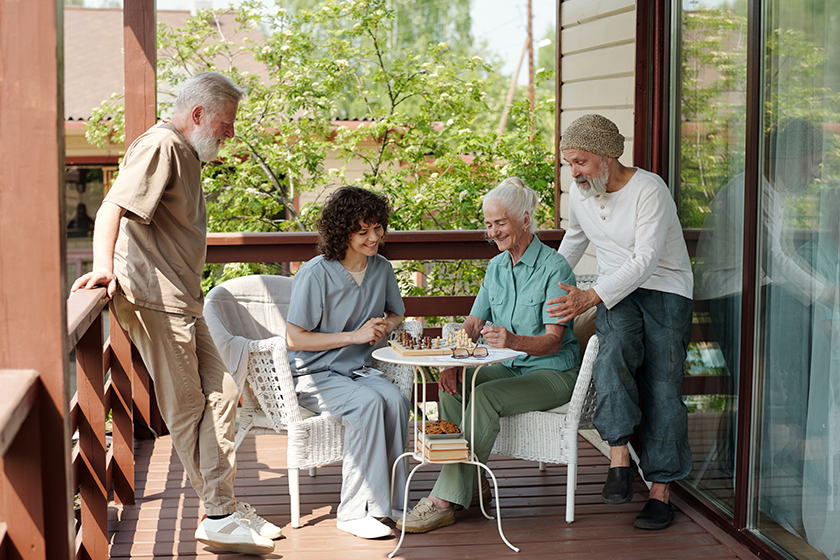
(149, 247)
(643, 316)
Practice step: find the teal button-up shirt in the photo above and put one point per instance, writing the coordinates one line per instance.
(514, 297)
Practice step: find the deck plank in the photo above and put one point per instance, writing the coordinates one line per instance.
(162, 523)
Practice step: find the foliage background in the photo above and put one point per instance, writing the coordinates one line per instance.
(427, 98)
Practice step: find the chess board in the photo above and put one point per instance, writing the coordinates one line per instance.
(403, 351)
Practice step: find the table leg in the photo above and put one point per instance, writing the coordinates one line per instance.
(405, 505)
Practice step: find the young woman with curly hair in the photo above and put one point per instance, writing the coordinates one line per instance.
(343, 305)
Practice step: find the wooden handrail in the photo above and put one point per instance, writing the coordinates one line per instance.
(20, 391)
(399, 245)
(83, 307)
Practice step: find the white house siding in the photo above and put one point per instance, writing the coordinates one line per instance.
(598, 63)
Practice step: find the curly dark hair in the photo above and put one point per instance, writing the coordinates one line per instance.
(340, 218)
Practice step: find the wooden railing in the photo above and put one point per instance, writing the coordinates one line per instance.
(421, 245)
(110, 378)
(128, 392)
(399, 245)
(19, 455)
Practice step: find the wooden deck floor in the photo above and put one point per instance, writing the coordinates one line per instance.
(162, 523)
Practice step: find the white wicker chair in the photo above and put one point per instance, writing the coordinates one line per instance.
(269, 401)
(552, 436)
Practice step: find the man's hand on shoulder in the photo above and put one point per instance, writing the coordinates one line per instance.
(575, 303)
(94, 279)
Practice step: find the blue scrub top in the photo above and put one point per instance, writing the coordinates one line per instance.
(325, 298)
(514, 297)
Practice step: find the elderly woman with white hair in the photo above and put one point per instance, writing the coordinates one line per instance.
(513, 297)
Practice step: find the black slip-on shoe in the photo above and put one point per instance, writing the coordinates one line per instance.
(654, 516)
(618, 489)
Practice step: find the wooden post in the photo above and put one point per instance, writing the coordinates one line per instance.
(558, 113)
(33, 289)
(140, 43)
(139, 39)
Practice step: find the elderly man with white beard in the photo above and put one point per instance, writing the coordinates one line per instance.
(149, 247)
(643, 316)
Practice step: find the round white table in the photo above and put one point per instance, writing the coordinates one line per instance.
(387, 354)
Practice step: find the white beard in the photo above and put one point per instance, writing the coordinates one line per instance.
(206, 145)
(595, 185)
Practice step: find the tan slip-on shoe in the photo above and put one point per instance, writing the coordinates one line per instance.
(426, 517)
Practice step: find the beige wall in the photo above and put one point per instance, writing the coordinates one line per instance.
(76, 145)
(598, 65)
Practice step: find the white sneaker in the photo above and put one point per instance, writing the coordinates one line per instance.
(365, 528)
(264, 528)
(234, 534)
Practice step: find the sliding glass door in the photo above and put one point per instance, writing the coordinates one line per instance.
(791, 192)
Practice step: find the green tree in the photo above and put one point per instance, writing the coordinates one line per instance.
(713, 97)
(713, 110)
(424, 139)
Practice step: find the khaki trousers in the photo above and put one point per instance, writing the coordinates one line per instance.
(196, 395)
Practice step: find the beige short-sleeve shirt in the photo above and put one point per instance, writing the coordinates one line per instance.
(162, 245)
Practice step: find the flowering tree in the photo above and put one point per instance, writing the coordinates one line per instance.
(425, 137)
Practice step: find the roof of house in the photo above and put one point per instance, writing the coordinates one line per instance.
(93, 54)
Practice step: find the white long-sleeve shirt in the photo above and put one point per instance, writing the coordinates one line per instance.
(637, 237)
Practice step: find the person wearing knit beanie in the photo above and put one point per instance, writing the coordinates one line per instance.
(592, 145)
(643, 309)
(594, 134)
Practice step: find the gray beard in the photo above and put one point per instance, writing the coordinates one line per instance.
(205, 144)
(593, 186)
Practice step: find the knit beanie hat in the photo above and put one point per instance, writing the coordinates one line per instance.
(595, 134)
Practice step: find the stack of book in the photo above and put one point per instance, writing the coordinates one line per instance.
(443, 449)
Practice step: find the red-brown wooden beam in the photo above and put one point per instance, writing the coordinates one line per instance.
(650, 111)
(140, 49)
(558, 113)
(642, 93)
(4, 546)
(122, 414)
(437, 306)
(32, 270)
(93, 160)
(399, 245)
(20, 391)
(93, 493)
(83, 308)
(143, 398)
(752, 178)
(22, 499)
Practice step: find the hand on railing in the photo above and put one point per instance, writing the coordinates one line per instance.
(97, 279)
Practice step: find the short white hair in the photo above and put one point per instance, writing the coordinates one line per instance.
(210, 90)
(517, 199)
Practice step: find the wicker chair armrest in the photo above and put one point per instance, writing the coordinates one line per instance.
(271, 380)
(585, 281)
(401, 375)
(581, 404)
